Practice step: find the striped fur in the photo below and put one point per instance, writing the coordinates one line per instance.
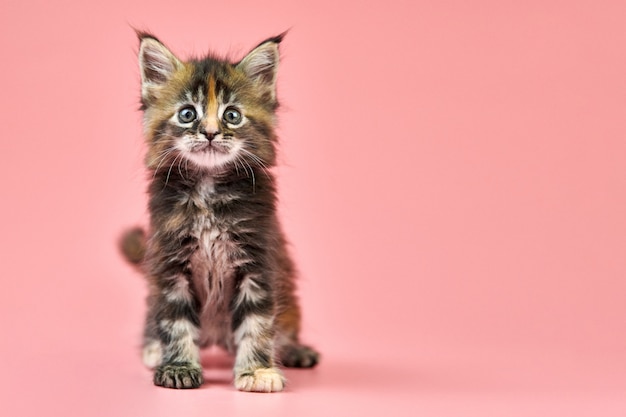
(214, 255)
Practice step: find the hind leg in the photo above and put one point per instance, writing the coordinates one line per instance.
(291, 352)
(295, 355)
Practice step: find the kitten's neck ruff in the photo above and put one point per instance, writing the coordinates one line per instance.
(240, 182)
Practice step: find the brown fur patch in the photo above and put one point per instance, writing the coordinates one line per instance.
(212, 120)
(289, 320)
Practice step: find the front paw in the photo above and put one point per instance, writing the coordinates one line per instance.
(260, 380)
(178, 375)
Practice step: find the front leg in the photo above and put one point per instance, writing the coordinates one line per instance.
(177, 327)
(175, 320)
(253, 326)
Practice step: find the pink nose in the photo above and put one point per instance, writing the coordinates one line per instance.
(210, 128)
(210, 135)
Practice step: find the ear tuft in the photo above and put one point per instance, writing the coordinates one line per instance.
(261, 64)
(156, 62)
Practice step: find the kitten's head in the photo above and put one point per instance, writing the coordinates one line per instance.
(208, 114)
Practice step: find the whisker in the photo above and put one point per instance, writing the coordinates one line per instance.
(170, 170)
(239, 160)
(236, 163)
(258, 162)
(253, 177)
(179, 171)
(163, 156)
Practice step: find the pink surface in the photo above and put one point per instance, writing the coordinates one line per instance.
(453, 183)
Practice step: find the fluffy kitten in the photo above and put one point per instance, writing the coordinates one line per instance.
(214, 255)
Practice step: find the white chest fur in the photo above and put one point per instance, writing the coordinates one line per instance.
(213, 268)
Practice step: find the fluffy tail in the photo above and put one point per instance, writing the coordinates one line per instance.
(133, 246)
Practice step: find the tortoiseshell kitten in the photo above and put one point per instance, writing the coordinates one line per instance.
(215, 256)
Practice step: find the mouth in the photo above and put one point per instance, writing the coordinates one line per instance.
(210, 155)
(208, 147)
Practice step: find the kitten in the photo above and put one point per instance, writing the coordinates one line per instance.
(215, 255)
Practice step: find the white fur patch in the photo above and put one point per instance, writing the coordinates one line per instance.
(211, 159)
(207, 187)
(252, 327)
(185, 336)
(262, 380)
(152, 354)
(180, 328)
(179, 291)
(249, 291)
(245, 358)
(219, 249)
(213, 268)
(249, 337)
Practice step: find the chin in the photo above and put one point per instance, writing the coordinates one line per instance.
(210, 160)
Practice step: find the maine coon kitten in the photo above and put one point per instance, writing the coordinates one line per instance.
(215, 256)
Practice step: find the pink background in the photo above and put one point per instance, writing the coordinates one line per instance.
(453, 181)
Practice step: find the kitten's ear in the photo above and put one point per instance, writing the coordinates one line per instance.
(156, 62)
(261, 64)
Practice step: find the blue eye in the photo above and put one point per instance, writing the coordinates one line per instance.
(187, 114)
(232, 116)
